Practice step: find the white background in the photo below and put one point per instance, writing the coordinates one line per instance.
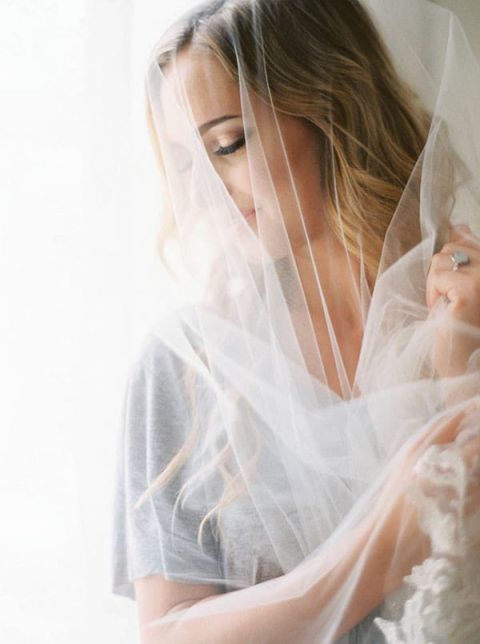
(80, 282)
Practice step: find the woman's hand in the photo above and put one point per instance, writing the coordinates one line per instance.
(395, 517)
(460, 336)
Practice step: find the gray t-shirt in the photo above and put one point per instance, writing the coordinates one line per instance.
(155, 414)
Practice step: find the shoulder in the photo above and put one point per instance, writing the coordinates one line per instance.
(158, 357)
(160, 391)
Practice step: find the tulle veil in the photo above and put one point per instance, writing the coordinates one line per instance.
(323, 467)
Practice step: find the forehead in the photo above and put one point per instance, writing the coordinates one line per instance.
(200, 83)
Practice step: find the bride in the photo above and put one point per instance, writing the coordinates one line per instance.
(300, 450)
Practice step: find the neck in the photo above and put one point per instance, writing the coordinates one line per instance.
(327, 269)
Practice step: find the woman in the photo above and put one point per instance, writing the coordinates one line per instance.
(302, 434)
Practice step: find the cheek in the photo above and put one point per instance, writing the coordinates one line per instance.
(236, 177)
(284, 177)
(300, 173)
(286, 166)
(242, 177)
(270, 179)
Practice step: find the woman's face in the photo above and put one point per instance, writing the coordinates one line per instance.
(291, 154)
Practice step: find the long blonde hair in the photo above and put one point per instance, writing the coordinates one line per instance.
(325, 62)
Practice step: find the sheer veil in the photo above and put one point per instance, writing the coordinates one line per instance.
(315, 158)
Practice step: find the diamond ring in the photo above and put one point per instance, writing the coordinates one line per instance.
(459, 258)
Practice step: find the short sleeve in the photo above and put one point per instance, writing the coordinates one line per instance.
(153, 426)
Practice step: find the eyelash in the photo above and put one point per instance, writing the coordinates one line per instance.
(230, 149)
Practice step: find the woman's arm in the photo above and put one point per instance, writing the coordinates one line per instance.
(293, 619)
(386, 544)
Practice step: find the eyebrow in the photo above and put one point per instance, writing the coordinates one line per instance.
(209, 124)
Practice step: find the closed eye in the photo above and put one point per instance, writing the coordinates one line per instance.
(230, 149)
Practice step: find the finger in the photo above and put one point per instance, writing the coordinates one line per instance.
(472, 505)
(454, 285)
(445, 430)
(471, 452)
(441, 262)
(473, 251)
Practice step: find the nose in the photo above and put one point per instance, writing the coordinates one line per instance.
(204, 185)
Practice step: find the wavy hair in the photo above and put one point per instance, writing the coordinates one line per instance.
(324, 62)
